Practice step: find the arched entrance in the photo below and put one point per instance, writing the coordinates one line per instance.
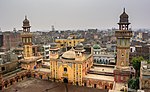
(65, 80)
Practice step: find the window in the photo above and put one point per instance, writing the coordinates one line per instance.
(3, 68)
(121, 77)
(84, 83)
(94, 85)
(65, 69)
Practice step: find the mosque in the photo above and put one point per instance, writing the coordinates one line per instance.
(75, 65)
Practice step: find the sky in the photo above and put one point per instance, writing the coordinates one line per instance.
(73, 14)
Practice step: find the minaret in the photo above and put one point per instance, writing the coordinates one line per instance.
(122, 71)
(27, 39)
(123, 36)
(54, 55)
(53, 29)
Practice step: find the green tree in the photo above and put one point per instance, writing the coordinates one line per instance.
(136, 62)
(133, 83)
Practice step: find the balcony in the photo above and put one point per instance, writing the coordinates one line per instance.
(123, 34)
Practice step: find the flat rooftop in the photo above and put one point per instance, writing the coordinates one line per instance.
(99, 77)
(102, 69)
(43, 70)
(118, 86)
(37, 85)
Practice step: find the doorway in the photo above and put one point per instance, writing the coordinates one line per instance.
(65, 80)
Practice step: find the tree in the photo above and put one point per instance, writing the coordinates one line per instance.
(133, 83)
(136, 62)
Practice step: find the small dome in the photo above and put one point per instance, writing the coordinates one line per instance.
(53, 45)
(26, 22)
(124, 17)
(88, 45)
(96, 46)
(79, 46)
(69, 55)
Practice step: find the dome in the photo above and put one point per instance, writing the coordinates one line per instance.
(96, 46)
(124, 17)
(26, 22)
(69, 55)
(53, 45)
(79, 46)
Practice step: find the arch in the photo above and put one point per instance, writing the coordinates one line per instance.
(65, 69)
(95, 85)
(65, 80)
(106, 61)
(63, 74)
(103, 62)
(41, 76)
(105, 86)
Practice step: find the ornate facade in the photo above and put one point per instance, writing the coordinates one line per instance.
(71, 66)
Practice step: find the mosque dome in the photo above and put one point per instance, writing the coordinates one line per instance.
(26, 22)
(96, 46)
(124, 17)
(79, 46)
(69, 55)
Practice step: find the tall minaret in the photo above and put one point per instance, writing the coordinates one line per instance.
(27, 39)
(123, 36)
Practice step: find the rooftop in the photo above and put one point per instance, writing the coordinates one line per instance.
(99, 77)
(43, 70)
(36, 85)
(102, 69)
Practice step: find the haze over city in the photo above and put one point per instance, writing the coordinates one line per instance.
(72, 14)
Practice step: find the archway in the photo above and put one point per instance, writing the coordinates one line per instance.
(65, 80)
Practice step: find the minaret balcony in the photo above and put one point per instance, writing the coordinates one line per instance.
(26, 34)
(123, 34)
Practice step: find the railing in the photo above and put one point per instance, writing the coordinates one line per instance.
(123, 33)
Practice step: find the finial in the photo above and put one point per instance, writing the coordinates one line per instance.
(25, 16)
(72, 49)
(124, 10)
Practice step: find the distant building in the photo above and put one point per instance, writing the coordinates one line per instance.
(1, 39)
(46, 52)
(8, 62)
(101, 56)
(11, 40)
(145, 76)
(71, 41)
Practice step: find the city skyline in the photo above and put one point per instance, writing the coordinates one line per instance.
(72, 14)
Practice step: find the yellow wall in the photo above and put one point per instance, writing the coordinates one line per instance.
(27, 51)
(68, 74)
(68, 42)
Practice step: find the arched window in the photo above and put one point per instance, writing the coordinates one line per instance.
(65, 69)
(106, 61)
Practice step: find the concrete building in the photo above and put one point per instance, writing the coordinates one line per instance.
(101, 56)
(1, 39)
(71, 41)
(46, 52)
(145, 76)
(10, 40)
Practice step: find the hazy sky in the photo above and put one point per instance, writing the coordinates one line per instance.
(72, 14)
